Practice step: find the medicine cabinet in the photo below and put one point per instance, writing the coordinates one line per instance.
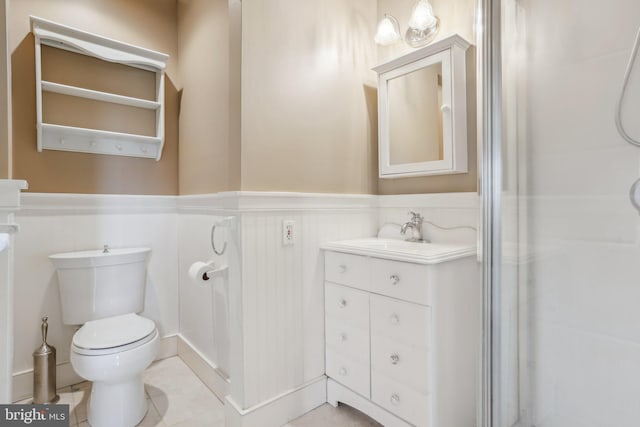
(422, 112)
(59, 128)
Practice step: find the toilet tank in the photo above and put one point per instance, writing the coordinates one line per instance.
(97, 284)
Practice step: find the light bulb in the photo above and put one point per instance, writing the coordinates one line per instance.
(423, 25)
(422, 16)
(388, 31)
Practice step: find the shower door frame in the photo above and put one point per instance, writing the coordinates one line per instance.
(490, 133)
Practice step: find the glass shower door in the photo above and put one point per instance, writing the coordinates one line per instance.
(566, 302)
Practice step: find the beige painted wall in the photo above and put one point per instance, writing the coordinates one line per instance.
(5, 131)
(455, 17)
(208, 157)
(276, 96)
(148, 23)
(307, 121)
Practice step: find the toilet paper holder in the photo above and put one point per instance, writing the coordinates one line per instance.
(216, 271)
(201, 272)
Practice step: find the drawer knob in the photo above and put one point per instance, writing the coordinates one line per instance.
(342, 268)
(395, 279)
(394, 319)
(342, 371)
(342, 303)
(395, 399)
(343, 337)
(394, 359)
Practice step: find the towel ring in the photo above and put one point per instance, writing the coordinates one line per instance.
(213, 242)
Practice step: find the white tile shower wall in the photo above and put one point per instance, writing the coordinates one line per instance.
(443, 209)
(60, 223)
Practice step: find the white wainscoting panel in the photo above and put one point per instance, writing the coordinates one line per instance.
(204, 308)
(9, 202)
(276, 292)
(284, 297)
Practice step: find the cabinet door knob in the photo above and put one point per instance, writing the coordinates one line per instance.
(342, 303)
(342, 268)
(395, 399)
(342, 371)
(394, 319)
(343, 337)
(394, 279)
(394, 359)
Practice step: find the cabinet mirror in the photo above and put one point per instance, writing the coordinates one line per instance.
(422, 111)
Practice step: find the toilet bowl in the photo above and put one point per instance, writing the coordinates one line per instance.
(102, 290)
(112, 353)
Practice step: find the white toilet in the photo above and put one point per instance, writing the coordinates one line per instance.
(103, 291)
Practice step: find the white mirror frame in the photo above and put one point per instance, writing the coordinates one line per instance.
(449, 51)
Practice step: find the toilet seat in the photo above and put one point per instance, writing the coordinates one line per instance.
(113, 335)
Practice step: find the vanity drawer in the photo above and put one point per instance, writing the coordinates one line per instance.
(404, 322)
(402, 280)
(352, 374)
(346, 269)
(347, 340)
(401, 400)
(401, 362)
(347, 305)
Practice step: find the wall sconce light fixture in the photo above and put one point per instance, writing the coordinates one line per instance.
(388, 31)
(422, 28)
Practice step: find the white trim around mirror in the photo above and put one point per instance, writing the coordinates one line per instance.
(450, 52)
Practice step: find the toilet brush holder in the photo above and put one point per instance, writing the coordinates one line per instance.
(44, 370)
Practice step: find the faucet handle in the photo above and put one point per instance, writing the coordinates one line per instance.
(416, 216)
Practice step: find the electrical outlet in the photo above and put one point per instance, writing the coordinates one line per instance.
(288, 232)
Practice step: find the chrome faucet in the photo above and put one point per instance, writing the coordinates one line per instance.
(416, 225)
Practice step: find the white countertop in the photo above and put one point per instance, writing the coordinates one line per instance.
(400, 250)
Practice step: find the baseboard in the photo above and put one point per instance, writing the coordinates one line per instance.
(66, 376)
(168, 347)
(279, 410)
(204, 369)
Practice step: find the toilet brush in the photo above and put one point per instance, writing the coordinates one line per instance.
(44, 370)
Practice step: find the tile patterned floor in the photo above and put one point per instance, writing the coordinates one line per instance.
(177, 398)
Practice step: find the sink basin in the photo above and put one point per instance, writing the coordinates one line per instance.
(419, 252)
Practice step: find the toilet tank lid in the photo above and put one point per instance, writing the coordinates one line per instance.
(99, 258)
(113, 331)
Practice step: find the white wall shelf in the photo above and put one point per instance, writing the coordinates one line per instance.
(97, 141)
(99, 96)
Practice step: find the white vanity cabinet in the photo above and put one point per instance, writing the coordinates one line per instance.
(402, 337)
(347, 337)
